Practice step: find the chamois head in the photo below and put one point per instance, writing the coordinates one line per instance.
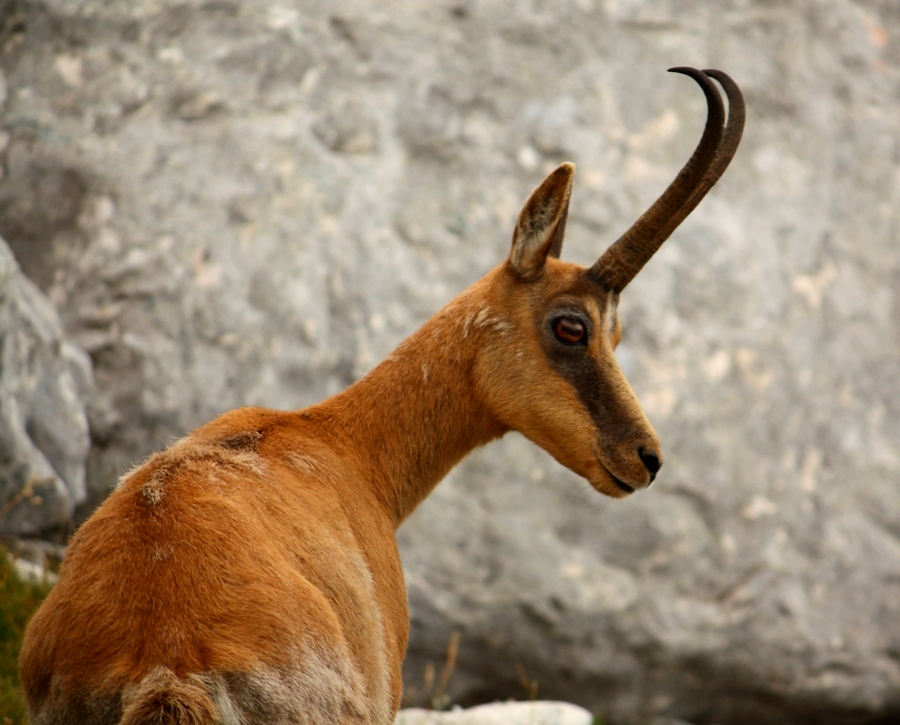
(577, 403)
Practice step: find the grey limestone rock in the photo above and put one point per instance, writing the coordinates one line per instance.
(239, 203)
(44, 382)
(501, 713)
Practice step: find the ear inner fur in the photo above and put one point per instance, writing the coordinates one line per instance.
(541, 224)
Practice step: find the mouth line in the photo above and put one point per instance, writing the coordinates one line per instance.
(618, 482)
(621, 485)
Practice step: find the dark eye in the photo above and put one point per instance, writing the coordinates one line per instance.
(569, 331)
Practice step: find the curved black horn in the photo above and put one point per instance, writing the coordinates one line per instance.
(734, 129)
(624, 259)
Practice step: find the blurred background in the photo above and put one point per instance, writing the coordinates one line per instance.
(216, 203)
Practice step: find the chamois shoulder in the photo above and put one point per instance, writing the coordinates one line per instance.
(246, 444)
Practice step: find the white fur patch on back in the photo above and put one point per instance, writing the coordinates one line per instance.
(153, 488)
(199, 460)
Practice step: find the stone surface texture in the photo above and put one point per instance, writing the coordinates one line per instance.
(239, 203)
(502, 713)
(44, 385)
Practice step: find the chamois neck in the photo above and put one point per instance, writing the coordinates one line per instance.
(417, 414)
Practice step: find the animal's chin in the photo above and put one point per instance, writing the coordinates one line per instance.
(606, 483)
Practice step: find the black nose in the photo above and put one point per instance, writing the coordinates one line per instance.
(651, 461)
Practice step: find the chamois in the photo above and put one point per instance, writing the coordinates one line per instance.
(249, 573)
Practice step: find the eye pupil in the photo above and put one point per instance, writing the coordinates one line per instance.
(569, 331)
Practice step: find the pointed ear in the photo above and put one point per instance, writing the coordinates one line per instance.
(542, 223)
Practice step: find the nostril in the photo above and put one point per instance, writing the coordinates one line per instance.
(651, 461)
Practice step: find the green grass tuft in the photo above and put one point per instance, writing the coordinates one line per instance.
(18, 601)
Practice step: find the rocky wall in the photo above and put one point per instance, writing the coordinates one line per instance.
(252, 203)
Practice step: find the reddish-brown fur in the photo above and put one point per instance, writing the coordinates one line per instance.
(233, 545)
(250, 574)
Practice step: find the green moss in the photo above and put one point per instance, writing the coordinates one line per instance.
(18, 601)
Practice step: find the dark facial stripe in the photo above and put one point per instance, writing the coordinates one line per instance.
(593, 381)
